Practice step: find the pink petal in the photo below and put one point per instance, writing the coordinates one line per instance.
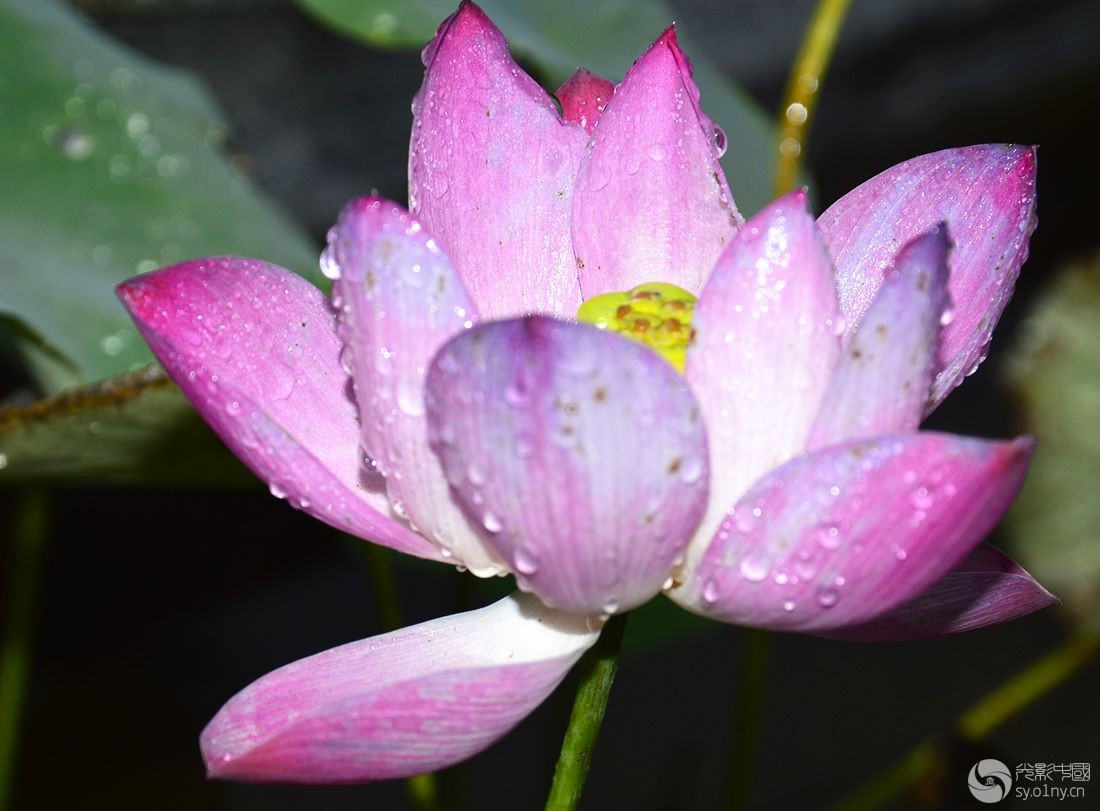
(652, 202)
(254, 347)
(400, 301)
(766, 341)
(846, 534)
(581, 454)
(491, 172)
(987, 588)
(583, 97)
(399, 704)
(986, 195)
(881, 384)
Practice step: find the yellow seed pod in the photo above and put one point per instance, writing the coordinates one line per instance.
(655, 314)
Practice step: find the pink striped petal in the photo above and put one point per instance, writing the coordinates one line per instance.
(987, 588)
(652, 202)
(491, 172)
(400, 300)
(583, 97)
(846, 534)
(399, 704)
(881, 384)
(766, 341)
(254, 347)
(986, 195)
(581, 454)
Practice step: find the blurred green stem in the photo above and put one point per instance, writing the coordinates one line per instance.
(983, 718)
(423, 789)
(597, 675)
(24, 556)
(804, 88)
(750, 700)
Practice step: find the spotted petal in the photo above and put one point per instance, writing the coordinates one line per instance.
(400, 300)
(838, 537)
(491, 172)
(399, 704)
(881, 384)
(652, 202)
(581, 454)
(985, 589)
(254, 348)
(986, 195)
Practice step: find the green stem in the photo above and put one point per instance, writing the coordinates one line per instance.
(803, 87)
(597, 675)
(28, 538)
(983, 718)
(750, 701)
(422, 788)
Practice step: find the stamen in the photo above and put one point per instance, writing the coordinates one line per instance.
(655, 314)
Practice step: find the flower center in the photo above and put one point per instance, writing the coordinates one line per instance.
(655, 314)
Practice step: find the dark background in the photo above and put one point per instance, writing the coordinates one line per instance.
(157, 606)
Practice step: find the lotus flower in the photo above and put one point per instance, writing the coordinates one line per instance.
(448, 404)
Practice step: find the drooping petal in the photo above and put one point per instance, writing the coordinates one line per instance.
(491, 172)
(765, 343)
(399, 704)
(583, 97)
(986, 195)
(987, 588)
(254, 348)
(581, 454)
(400, 300)
(652, 202)
(881, 383)
(848, 533)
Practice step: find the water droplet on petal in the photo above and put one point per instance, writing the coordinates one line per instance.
(754, 568)
(711, 590)
(277, 490)
(827, 597)
(720, 140)
(491, 522)
(526, 562)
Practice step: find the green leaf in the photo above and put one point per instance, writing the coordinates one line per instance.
(562, 36)
(1055, 373)
(111, 165)
(136, 429)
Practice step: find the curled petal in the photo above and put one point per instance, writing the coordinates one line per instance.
(881, 384)
(581, 454)
(765, 343)
(583, 97)
(843, 535)
(986, 195)
(399, 704)
(400, 300)
(652, 202)
(254, 348)
(987, 588)
(491, 172)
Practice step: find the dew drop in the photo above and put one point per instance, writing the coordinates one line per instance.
(277, 490)
(526, 562)
(711, 590)
(720, 141)
(947, 316)
(827, 597)
(475, 474)
(828, 535)
(610, 605)
(329, 266)
(754, 568)
(923, 497)
(491, 522)
(789, 606)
